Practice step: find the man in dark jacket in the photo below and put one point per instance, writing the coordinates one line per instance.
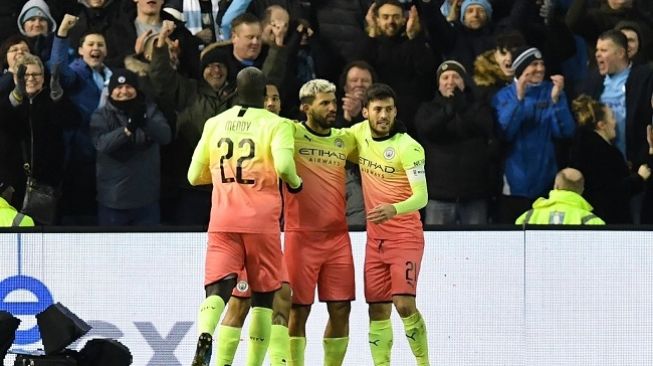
(401, 56)
(127, 133)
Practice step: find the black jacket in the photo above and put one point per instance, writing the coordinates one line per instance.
(458, 140)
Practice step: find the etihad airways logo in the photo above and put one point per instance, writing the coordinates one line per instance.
(307, 151)
(374, 166)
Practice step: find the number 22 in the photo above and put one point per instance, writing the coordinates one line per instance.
(239, 163)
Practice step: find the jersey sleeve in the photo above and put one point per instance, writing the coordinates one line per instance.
(283, 146)
(199, 171)
(412, 160)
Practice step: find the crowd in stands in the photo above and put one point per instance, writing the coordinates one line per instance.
(106, 99)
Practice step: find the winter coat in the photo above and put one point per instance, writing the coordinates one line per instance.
(561, 208)
(457, 136)
(529, 127)
(128, 167)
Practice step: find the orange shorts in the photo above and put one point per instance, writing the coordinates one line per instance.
(321, 259)
(391, 268)
(242, 289)
(259, 254)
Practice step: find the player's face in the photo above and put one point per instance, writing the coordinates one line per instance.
(272, 99)
(323, 110)
(381, 114)
(390, 19)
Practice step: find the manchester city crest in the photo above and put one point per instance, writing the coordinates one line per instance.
(339, 143)
(389, 153)
(242, 286)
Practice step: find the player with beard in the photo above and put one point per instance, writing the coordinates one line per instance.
(394, 188)
(317, 245)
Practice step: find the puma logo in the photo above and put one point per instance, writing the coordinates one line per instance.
(308, 138)
(375, 343)
(412, 335)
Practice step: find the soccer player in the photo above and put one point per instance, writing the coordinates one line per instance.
(394, 189)
(239, 303)
(317, 247)
(243, 152)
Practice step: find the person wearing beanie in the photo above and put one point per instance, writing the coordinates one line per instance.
(475, 14)
(195, 101)
(127, 133)
(531, 112)
(456, 131)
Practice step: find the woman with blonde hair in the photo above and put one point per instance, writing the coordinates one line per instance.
(609, 182)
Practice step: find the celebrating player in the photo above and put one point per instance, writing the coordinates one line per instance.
(394, 189)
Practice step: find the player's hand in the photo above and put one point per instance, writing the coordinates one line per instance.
(381, 213)
(295, 190)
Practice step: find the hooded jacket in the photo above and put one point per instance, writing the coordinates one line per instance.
(561, 208)
(46, 12)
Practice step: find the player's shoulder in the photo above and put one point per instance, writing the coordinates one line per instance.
(408, 146)
(360, 129)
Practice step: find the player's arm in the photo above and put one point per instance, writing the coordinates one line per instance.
(283, 150)
(199, 172)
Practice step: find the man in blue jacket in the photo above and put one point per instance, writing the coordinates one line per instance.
(531, 113)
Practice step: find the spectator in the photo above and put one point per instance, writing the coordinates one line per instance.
(565, 205)
(614, 75)
(356, 78)
(127, 133)
(638, 51)
(272, 99)
(194, 101)
(531, 113)
(85, 81)
(339, 26)
(200, 17)
(610, 182)
(401, 57)
(36, 23)
(33, 116)
(129, 31)
(456, 132)
(93, 16)
(463, 36)
(493, 68)
(9, 217)
(247, 49)
(11, 50)
(590, 22)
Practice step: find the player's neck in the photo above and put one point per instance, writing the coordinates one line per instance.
(317, 129)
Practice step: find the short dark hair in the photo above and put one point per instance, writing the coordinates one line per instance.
(250, 85)
(617, 37)
(6, 45)
(244, 18)
(380, 3)
(510, 41)
(379, 91)
(88, 33)
(364, 65)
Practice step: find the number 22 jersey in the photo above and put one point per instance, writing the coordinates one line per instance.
(237, 146)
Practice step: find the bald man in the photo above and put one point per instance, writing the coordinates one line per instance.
(565, 205)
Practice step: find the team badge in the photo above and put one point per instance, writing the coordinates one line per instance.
(389, 153)
(242, 286)
(121, 79)
(339, 143)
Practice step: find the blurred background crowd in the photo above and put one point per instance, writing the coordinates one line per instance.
(105, 100)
